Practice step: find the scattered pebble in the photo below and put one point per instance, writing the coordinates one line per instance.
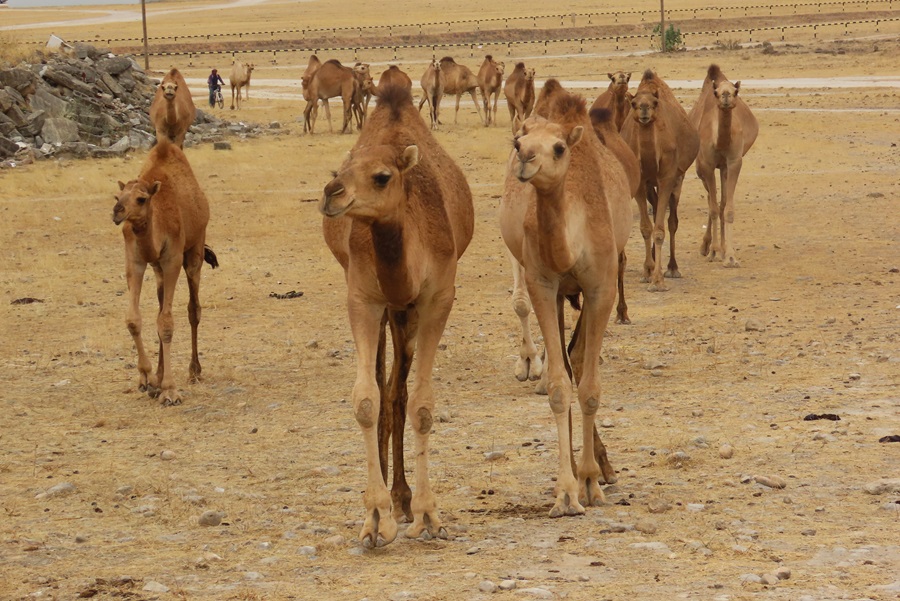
(307, 550)
(507, 585)
(658, 506)
(769, 579)
(879, 487)
(771, 481)
(751, 578)
(155, 587)
(486, 586)
(538, 593)
(783, 573)
(645, 526)
(210, 518)
(754, 325)
(63, 488)
(726, 451)
(808, 532)
(167, 455)
(494, 455)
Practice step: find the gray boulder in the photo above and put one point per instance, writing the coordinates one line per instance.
(8, 148)
(59, 130)
(51, 104)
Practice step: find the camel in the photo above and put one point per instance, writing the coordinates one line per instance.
(363, 90)
(458, 80)
(727, 130)
(240, 77)
(562, 213)
(616, 97)
(330, 80)
(519, 91)
(172, 111)
(397, 216)
(433, 89)
(665, 143)
(164, 213)
(311, 67)
(490, 80)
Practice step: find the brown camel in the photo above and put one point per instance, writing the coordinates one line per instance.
(727, 130)
(558, 218)
(172, 111)
(165, 213)
(393, 76)
(616, 97)
(490, 80)
(433, 90)
(665, 143)
(519, 91)
(330, 80)
(311, 67)
(398, 215)
(240, 77)
(363, 90)
(458, 80)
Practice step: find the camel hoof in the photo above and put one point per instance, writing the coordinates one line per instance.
(731, 263)
(673, 273)
(541, 388)
(170, 401)
(152, 391)
(704, 248)
(623, 320)
(657, 288)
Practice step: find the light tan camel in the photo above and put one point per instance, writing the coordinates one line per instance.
(165, 213)
(727, 130)
(490, 80)
(665, 143)
(330, 80)
(311, 67)
(458, 80)
(557, 218)
(172, 111)
(240, 77)
(433, 90)
(616, 97)
(519, 92)
(363, 90)
(398, 215)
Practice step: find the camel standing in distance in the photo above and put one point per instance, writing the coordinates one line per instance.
(398, 215)
(665, 143)
(433, 90)
(240, 77)
(311, 67)
(164, 213)
(458, 80)
(557, 218)
(172, 111)
(490, 80)
(727, 130)
(519, 92)
(330, 80)
(363, 90)
(616, 97)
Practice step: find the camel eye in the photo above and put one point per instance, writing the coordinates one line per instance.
(141, 200)
(559, 149)
(381, 179)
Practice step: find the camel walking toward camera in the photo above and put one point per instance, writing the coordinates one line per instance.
(616, 97)
(433, 90)
(519, 92)
(398, 215)
(164, 215)
(490, 81)
(363, 90)
(330, 80)
(458, 80)
(240, 78)
(665, 143)
(727, 130)
(172, 111)
(561, 216)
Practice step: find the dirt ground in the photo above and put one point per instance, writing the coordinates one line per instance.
(807, 325)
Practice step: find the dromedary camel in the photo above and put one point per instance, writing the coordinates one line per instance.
(616, 97)
(557, 218)
(490, 80)
(392, 77)
(172, 111)
(665, 143)
(727, 130)
(363, 90)
(458, 80)
(519, 92)
(433, 90)
(165, 213)
(330, 80)
(240, 77)
(398, 215)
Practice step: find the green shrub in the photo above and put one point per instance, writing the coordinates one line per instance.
(673, 38)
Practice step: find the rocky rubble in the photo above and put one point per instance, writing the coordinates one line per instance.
(88, 103)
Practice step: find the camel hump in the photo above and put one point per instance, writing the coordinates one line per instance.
(600, 116)
(714, 73)
(448, 59)
(551, 86)
(649, 75)
(173, 72)
(488, 57)
(394, 96)
(520, 66)
(334, 61)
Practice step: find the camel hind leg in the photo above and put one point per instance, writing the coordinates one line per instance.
(193, 262)
(622, 306)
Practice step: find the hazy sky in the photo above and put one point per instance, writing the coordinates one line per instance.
(35, 3)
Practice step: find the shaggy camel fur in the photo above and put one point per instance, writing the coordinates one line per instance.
(330, 80)
(616, 97)
(165, 213)
(393, 77)
(665, 143)
(559, 217)
(490, 80)
(398, 215)
(172, 111)
(240, 78)
(727, 130)
(433, 90)
(458, 80)
(519, 91)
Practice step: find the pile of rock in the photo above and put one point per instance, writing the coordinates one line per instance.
(87, 103)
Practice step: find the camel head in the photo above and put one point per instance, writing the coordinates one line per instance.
(133, 201)
(250, 68)
(169, 87)
(542, 151)
(362, 69)
(619, 78)
(369, 185)
(644, 105)
(529, 75)
(726, 94)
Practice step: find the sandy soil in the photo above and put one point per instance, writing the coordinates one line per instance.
(268, 437)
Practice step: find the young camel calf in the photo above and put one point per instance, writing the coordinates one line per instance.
(172, 111)
(164, 213)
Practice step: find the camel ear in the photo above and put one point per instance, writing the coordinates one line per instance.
(121, 185)
(656, 94)
(575, 136)
(154, 188)
(611, 76)
(737, 87)
(409, 158)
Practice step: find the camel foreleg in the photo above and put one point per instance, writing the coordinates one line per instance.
(477, 108)
(641, 197)
(528, 365)
(622, 306)
(730, 175)
(710, 244)
(672, 269)
(134, 276)
(664, 191)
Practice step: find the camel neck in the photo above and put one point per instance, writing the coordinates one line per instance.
(553, 243)
(648, 155)
(723, 140)
(392, 262)
(171, 113)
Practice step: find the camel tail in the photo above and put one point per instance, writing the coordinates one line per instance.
(210, 257)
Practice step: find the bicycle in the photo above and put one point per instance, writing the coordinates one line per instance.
(219, 99)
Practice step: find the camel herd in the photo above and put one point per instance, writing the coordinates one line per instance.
(398, 215)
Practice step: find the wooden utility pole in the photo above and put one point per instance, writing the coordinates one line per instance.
(144, 20)
(662, 25)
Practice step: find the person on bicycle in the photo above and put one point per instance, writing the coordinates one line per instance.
(215, 83)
